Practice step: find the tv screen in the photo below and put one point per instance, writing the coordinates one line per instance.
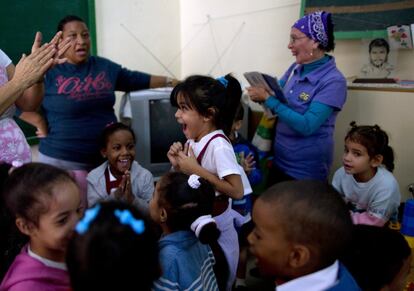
(164, 129)
(155, 127)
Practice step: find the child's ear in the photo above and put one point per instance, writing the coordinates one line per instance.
(376, 161)
(210, 114)
(163, 215)
(238, 124)
(299, 256)
(24, 226)
(103, 153)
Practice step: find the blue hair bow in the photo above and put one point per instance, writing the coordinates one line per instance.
(125, 217)
(223, 81)
(89, 216)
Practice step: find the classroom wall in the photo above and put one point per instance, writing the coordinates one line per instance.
(215, 37)
(139, 34)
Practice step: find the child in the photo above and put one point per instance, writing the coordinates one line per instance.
(182, 206)
(120, 177)
(378, 57)
(44, 205)
(246, 153)
(206, 110)
(247, 157)
(365, 180)
(114, 248)
(379, 258)
(301, 229)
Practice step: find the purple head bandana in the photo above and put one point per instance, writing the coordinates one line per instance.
(314, 25)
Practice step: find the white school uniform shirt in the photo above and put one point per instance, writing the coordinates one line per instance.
(219, 157)
(317, 281)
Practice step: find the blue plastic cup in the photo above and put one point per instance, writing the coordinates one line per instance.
(407, 227)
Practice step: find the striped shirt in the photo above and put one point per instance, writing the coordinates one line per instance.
(186, 263)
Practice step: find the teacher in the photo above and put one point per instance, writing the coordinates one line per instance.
(79, 100)
(315, 91)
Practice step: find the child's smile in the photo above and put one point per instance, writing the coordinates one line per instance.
(194, 125)
(120, 152)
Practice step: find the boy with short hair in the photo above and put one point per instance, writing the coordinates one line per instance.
(301, 229)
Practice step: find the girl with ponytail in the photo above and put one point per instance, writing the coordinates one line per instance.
(182, 206)
(365, 179)
(206, 110)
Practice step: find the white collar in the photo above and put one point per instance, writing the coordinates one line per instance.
(317, 281)
(47, 262)
(111, 176)
(206, 138)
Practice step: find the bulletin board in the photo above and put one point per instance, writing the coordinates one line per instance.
(20, 19)
(355, 19)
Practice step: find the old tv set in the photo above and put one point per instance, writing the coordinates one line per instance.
(155, 127)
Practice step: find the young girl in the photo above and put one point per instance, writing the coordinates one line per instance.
(120, 177)
(114, 248)
(43, 203)
(365, 180)
(182, 206)
(206, 110)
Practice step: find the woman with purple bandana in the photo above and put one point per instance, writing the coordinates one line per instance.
(316, 91)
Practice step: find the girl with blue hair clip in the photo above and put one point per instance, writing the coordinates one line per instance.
(114, 248)
(206, 110)
(190, 256)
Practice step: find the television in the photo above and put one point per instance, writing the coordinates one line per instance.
(155, 128)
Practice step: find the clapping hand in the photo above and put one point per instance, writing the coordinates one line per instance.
(124, 191)
(187, 161)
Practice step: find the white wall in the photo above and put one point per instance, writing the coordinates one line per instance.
(127, 29)
(216, 37)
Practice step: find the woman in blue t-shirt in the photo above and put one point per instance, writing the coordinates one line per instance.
(315, 91)
(79, 100)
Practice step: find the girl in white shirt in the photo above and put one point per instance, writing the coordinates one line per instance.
(206, 110)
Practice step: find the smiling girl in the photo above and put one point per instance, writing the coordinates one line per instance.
(120, 177)
(43, 206)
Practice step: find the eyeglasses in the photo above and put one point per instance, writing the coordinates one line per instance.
(293, 39)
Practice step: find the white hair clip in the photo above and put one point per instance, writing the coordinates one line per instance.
(199, 223)
(193, 181)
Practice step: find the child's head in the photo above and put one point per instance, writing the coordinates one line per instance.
(44, 203)
(366, 148)
(378, 51)
(206, 103)
(300, 227)
(379, 258)
(118, 146)
(114, 248)
(179, 200)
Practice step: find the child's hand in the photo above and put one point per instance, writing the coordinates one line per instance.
(248, 163)
(124, 191)
(127, 189)
(172, 154)
(187, 161)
